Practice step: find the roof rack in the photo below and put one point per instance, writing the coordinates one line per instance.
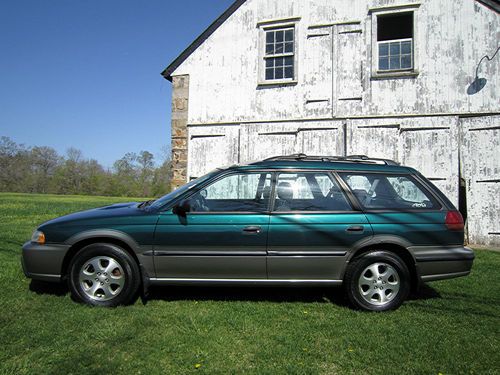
(348, 159)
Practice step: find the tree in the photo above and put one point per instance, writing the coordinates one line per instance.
(146, 172)
(44, 162)
(14, 165)
(41, 169)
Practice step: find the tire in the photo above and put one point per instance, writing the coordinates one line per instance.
(105, 275)
(377, 281)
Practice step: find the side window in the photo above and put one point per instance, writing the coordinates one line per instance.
(394, 40)
(407, 191)
(379, 191)
(309, 191)
(279, 56)
(278, 51)
(245, 192)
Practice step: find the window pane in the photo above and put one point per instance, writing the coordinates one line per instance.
(289, 35)
(270, 73)
(394, 63)
(405, 61)
(406, 47)
(383, 49)
(279, 48)
(269, 63)
(391, 192)
(289, 47)
(289, 72)
(241, 192)
(278, 73)
(270, 37)
(280, 36)
(395, 26)
(395, 48)
(269, 49)
(309, 192)
(383, 63)
(289, 61)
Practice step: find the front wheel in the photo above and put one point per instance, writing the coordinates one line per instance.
(103, 275)
(377, 281)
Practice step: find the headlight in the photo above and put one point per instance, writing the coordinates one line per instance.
(38, 237)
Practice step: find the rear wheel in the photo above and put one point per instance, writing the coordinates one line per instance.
(104, 275)
(377, 281)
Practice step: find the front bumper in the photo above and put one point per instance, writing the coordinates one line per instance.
(43, 262)
(439, 263)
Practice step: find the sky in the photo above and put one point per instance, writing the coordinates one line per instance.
(86, 73)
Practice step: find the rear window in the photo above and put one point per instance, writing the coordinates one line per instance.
(387, 191)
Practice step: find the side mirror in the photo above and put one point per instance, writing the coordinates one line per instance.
(182, 208)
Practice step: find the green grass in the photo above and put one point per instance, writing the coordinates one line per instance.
(451, 327)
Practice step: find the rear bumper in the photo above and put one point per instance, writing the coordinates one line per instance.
(439, 263)
(43, 262)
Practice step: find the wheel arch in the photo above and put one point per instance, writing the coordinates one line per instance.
(81, 240)
(396, 246)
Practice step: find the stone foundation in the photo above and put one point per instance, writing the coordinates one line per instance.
(180, 101)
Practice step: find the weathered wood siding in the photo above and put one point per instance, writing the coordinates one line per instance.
(338, 106)
(451, 37)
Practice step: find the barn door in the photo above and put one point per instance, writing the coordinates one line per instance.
(318, 72)
(348, 88)
(432, 150)
(430, 146)
(211, 147)
(372, 139)
(312, 138)
(480, 168)
(327, 141)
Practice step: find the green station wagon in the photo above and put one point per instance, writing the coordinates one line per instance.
(369, 225)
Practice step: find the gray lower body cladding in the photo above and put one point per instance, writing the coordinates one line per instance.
(44, 262)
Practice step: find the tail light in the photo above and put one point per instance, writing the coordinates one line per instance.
(454, 220)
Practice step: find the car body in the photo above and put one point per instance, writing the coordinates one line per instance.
(371, 225)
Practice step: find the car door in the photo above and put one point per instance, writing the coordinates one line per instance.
(222, 236)
(312, 228)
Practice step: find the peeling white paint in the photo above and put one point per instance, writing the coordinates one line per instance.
(338, 106)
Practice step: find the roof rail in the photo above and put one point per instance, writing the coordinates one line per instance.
(348, 159)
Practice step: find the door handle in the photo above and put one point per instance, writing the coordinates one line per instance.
(355, 228)
(253, 229)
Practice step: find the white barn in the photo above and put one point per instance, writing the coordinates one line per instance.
(416, 82)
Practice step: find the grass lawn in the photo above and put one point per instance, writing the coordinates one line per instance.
(451, 327)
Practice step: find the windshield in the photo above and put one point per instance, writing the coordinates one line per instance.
(179, 191)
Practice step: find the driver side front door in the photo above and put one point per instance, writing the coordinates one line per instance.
(224, 234)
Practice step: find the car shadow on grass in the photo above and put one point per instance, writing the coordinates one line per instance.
(267, 294)
(251, 294)
(54, 289)
(424, 292)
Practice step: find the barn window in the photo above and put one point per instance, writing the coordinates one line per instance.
(279, 54)
(395, 41)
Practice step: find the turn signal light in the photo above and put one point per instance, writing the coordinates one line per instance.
(38, 237)
(454, 220)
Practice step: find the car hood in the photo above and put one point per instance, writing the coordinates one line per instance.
(101, 214)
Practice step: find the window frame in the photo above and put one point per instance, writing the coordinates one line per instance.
(266, 26)
(375, 13)
(336, 180)
(419, 182)
(223, 174)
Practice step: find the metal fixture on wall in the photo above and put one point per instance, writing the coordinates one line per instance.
(479, 83)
